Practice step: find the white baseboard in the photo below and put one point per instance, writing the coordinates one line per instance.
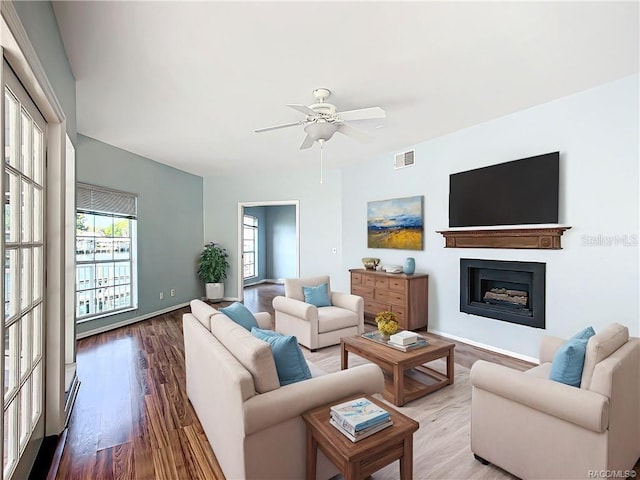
(129, 321)
(223, 299)
(279, 281)
(491, 348)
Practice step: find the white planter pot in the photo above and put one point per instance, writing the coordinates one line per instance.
(215, 291)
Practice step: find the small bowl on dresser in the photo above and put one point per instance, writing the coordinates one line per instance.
(370, 263)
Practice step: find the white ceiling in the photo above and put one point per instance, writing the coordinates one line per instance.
(186, 83)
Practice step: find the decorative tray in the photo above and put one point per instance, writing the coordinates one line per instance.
(376, 336)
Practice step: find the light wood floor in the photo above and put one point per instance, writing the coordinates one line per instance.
(132, 419)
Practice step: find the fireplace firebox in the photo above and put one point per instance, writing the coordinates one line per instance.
(508, 291)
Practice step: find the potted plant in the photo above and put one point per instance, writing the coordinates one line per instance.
(212, 269)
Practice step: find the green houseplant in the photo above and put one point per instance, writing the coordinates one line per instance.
(212, 269)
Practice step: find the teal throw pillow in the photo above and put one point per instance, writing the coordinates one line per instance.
(568, 362)
(584, 333)
(318, 296)
(241, 315)
(290, 362)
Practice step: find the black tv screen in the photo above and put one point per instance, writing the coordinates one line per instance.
(519, 192)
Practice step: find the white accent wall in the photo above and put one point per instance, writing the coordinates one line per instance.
(593, 280)
(320, 217)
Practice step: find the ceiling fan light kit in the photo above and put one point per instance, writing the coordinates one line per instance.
(323, 120)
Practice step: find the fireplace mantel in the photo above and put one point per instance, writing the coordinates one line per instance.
(547, 238)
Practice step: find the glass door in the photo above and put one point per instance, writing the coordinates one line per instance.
(23, 183)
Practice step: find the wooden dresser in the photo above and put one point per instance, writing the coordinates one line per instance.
(406, 295)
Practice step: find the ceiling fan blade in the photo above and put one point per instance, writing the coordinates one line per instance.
(275, 127)
(362, 114)
(307, 143)
(359, 135)
(303, 109)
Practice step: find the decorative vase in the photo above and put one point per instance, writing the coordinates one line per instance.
(384, 337)
(409, 266)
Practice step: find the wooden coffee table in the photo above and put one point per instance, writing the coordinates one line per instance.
(358, 460)
(406, 375)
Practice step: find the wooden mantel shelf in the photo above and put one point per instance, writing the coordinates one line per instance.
(540, 238)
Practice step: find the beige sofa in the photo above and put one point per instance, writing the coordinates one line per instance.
(253, 425)
(536, 428)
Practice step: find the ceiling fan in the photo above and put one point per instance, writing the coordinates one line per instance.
(323, 120)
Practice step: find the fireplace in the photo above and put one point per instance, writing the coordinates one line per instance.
(508, 291)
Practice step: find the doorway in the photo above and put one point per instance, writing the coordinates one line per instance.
(268, 242)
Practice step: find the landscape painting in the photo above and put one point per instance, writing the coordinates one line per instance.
(395, 223)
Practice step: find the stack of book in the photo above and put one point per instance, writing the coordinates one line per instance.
(406, 340)
(357, 419)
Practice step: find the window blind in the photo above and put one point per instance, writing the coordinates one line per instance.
(93, 199)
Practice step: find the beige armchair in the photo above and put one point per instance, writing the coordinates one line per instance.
(317, 327)
(536, 428)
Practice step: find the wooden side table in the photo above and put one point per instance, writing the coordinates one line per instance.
(359, 460)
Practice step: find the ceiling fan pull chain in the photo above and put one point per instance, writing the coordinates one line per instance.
(321, 143)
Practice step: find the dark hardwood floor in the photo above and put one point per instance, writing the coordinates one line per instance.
(132, 418)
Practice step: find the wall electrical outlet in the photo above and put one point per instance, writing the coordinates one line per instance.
(173, 292)
(161, 295)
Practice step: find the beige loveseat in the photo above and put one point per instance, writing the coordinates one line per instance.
(536, 428)
(253, 425)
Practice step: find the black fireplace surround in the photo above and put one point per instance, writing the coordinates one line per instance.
(509, 291)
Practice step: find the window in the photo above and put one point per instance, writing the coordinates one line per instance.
(105, 251)
(23, 284)
(250, 242)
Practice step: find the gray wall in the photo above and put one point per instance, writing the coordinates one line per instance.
(39, 21)
(281, 241)
(170, 231)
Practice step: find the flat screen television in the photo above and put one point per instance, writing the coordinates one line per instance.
(513, 193)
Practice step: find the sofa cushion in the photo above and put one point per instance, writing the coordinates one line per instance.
(318, 295)
(253, 354)
(335, 318)
(203, 312)
(568, 361)
(600, 346)
(241, 315)
(290, 362)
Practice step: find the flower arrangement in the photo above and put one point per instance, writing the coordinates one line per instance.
(387, 323)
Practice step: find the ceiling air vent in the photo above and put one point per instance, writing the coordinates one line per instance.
(404, 159)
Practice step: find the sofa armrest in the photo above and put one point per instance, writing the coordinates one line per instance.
(264, 320)
(295, 308)
(277, 406)
(347, 301)
(581, 407)
(549, 346)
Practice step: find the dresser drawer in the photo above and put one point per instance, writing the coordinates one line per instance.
(382, 283)
(397, 298)
(400, 312)
(374, 308)
(356, 278)
(369, 280)
(398, 284)
(362, 291)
